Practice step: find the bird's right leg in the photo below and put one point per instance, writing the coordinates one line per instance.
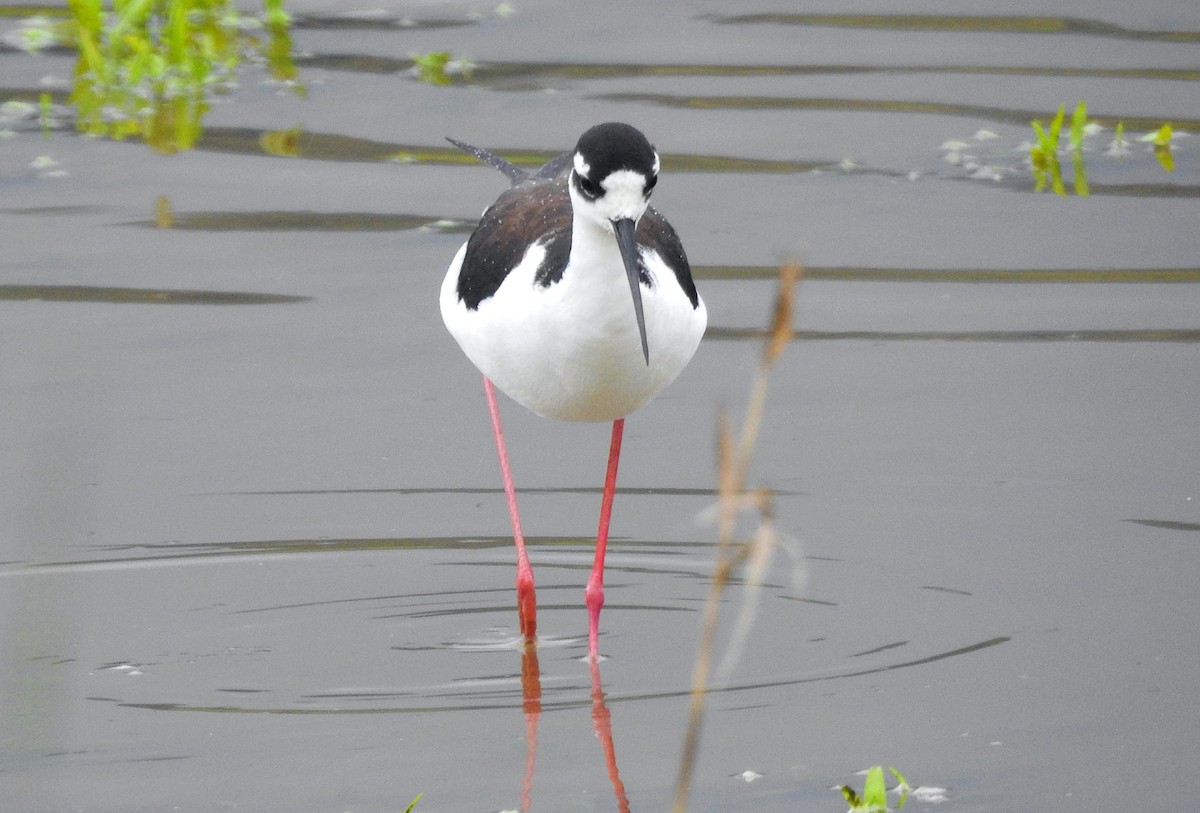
(526, 602)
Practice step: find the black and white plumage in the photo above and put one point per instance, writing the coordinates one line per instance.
(576, 299)
(540, 297)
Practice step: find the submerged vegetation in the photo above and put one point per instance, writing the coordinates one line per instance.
(150, 68)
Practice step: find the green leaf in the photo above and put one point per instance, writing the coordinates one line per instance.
(1163, 137)
(874, 789)
(274, 14)
(1038, 132)
(902, 786)
(431, 67)
(133, 15)
(1046, 137)
(851, 797)
(409, 809)
(1056, 125)
(1078, 120)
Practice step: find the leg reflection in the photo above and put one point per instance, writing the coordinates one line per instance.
(531, 695)
(602, 724)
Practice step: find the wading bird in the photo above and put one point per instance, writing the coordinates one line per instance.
(539, 298)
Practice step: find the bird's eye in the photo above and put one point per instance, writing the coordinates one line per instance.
(588, 187)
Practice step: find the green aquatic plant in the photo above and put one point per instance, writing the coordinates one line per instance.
(1161, 137)
(1044, 149)
(440, 67)
(151, 67)
(431, 67)
(1161, 140)
(1043, 155)
(874, 796)
(413, 804)
(1046, 136)
(1078, 126)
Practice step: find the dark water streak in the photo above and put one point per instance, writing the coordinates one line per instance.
(559, 705)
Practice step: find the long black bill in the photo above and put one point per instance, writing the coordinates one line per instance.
(627, 243)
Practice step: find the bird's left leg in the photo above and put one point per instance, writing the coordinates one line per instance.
(594, 595)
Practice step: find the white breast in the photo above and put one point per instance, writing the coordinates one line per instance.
(571, 350)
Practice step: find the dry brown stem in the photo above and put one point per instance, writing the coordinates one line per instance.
(732, 465)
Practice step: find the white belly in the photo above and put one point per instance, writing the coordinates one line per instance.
(571, 350)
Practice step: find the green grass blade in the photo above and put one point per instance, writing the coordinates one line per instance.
(1078, 122)
(1056, 125)
(874, 789)
(902, 786)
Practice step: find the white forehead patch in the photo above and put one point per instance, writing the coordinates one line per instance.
(625, 194)
(655, 170)
(581, 166)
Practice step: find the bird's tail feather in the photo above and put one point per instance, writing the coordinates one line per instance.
(513, 172)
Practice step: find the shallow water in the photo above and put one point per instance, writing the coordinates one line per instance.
(255, 553)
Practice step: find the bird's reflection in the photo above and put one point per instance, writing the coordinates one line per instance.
(531, 706)
(602, 725)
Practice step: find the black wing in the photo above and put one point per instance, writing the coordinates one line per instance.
(656, 233)
(534, 211)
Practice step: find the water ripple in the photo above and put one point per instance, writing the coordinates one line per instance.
(504, 692)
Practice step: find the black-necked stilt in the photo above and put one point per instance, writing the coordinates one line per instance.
(539, 299)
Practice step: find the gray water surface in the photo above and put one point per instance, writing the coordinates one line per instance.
(254, 552)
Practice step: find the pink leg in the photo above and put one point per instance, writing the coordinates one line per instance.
(594, 595)
(526, 603)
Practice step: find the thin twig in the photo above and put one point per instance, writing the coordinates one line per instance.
(732, 465)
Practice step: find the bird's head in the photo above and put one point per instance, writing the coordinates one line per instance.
(614, 171)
